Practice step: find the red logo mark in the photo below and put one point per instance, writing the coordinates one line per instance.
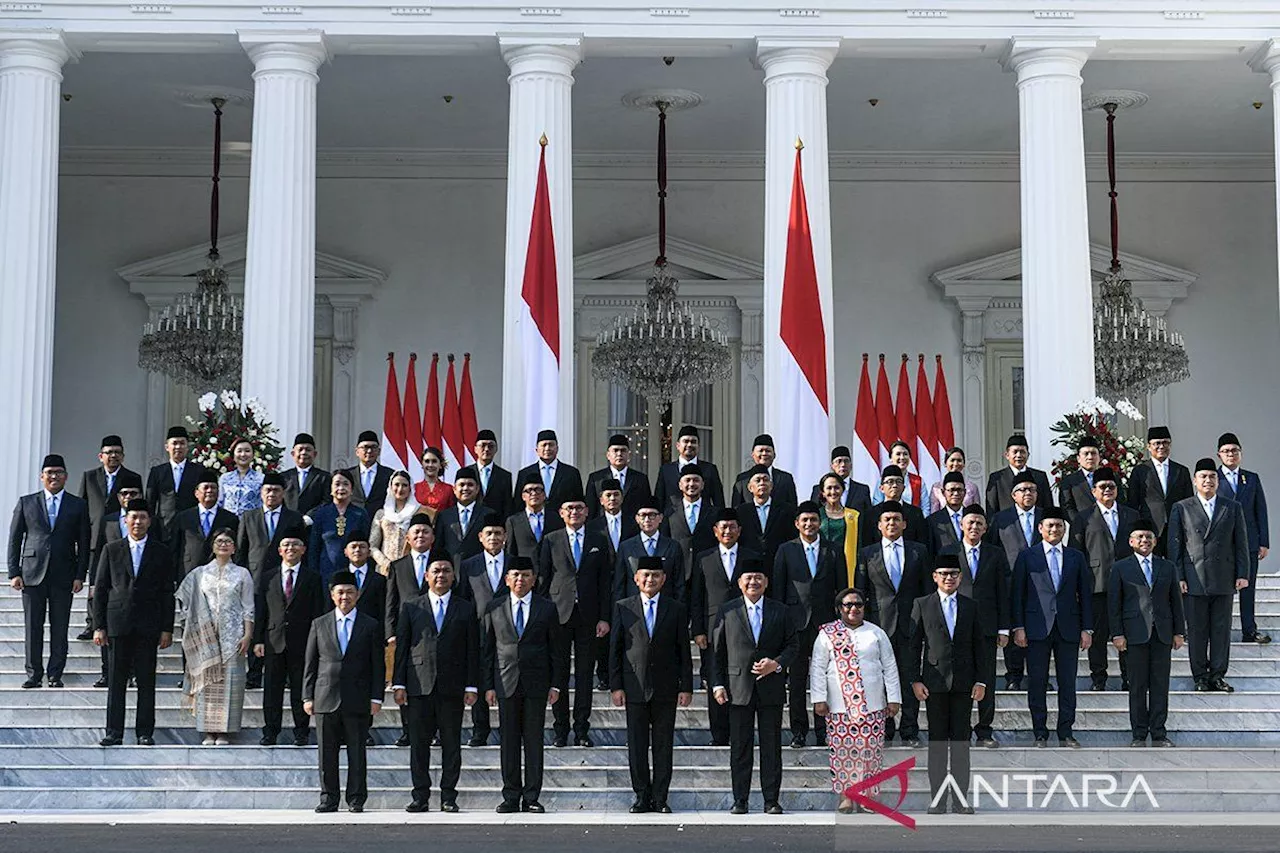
(898, 771)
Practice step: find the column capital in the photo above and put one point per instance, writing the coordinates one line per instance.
(1047, 56)
(789, 56)
(276, 50)
(1266, 60)
(39, 50)
(547, 54)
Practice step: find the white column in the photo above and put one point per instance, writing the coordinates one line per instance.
(541, 82)
(30, 88)
(1057, 290)
(1267, 61)
(795, 81)
(280, 256)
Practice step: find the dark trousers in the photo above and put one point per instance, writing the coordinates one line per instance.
(132, 654)
(987, 707)
(742, 722)
(521, 719)
(286, 667)
(798, 685)
(651, 724)
(332, 730)
(908, 725)
(53, 601)
(1149, 688)
(427, 715)
(1101, 635)
(1015, 661)
(948, 716)
(1066, 653)
(255, 669)
(602, 658)
(581, 633)
(1208, 634)
(1248, 622)
(717, 714)
(480, 723)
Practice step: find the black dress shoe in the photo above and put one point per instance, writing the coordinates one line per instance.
(111, 740)
(534, 807)
(560, 741)
(1161, 741)
(1221, 685)
(253, 684)
(719, 743)
(146, 740)
(1069, 742)
(640, 807)
(369, 741)
(773, 808)
(1138, 742)
(325, 808)
(1261, 638)
(418, 806)
(302, 740)
(819, 740)
(101, 682)
(601, 684)
(267, 740)
(133, 683)
(1202, 686)
(507, 807)
(959, 809)
(738, 808)
(662, 808)
(1041, 743)
(1098, 685)
(478, 741)
(583, 740)
(86, 634)
(1013, 682)
(1124, 685)
(913, 742)
(435, 741)
(797, 741)
(30, 683)
(449, 806)
(356, 808)
(56, 682)
(988, 742)
(938, 809)
(403, 740)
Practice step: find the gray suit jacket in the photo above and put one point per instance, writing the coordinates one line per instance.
(1090, 534)
(530, 663)
(447, 662)
(735, 651)
(338, 682)
(1208, 554)
(37, 553)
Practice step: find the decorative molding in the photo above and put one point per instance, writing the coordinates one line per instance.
(282, 10)
(540, 11)
(151, 9)
(1186, 15)
(927, 13)
(20, 8)
(669, 13)
(799, 13)
(410, 11)
(1055, 14)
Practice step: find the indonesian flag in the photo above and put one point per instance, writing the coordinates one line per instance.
(412, 422)
(885, 421)
(431, 409)
(804, 429)
(866, 446)
(451, 427)
(539, 320)
(393, 447)
(906, 418)
(927, 459)
(942, 412)
(467, 403)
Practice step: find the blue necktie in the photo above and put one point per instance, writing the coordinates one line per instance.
(206, 522)
(753, 610)
(422, 569)
(484, 478)
(1055, 569)
(177, 478)
(302, 479)
(111, 482)
(955, 522)
(536, 520)
(495, 577)
(53, 511)
(648, 546)
(577, 548)
(1146, 569)
(343, 637)
(519, 618)
(763, 513)
(693, 517)
(1111, 522)
(465, 513)
(1026, 520)
(137, 557)
(271, 524)
(973, 563)
(651, 617)
(950, 611)
(811, 554)
(546, 478)
(359, 579)
(439, 615)
(895, 567)
(367, 485)
(614, 532)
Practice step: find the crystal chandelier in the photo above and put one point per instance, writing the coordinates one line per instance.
(663, 350)
(197, 340)
(1133, 352)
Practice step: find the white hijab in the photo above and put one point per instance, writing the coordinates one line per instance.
(400, 517)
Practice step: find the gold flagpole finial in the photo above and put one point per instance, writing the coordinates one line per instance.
(543, 141)
(799, 144)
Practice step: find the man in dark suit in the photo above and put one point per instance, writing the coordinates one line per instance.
(633, 484)
(114, 527)
(1147, 624)
(915, 528)
(892, 573)
(287, 599)
(616, 526)
(1052, 614)
(651, 673)
(766, 521)
(715, 581)
(371, 586)
(1000, 483)
(805, 577)
(784, 485)
(436, 673)
(1158, 483)
(856, 495)
(133, 614)
(48, 564)
(651, 543)
(369, 478)
(668, 484)
(1075, 491)
(192, 538)
(496, 486)
(574, 572)
(343, 688)
(527, 527)
(945, 525)
(482, 579)
(1015, 529)
(305, 486)
(984, 577)
(406, 580)
(948, 670)
(689, 518)
(98, 488)
(261, 532)
(458, 525)
(1101, 533)
(560, 480)
(1209, 549)
(1245, 488)
(754, 643)
(522, 672)
(171, 486)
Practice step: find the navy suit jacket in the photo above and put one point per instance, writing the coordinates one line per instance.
(1037, 608)
(1254, 503)
(38, 554)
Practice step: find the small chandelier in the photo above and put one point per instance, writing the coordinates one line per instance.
(1133, 352)
(197, 340)
(663, 350)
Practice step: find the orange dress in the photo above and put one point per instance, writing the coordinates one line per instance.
(434, 499)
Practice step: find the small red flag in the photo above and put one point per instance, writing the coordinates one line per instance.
(942, 411)
(451, 423)
(539, 289)
(866, 459)
(431, 410)
(885, 420)
(906, 418)
(467, 402)
(801, 314)
(393, 446)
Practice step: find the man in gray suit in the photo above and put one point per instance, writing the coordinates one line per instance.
(1209, 549)
(48, 562)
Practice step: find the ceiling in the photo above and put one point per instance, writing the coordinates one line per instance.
(924, 105)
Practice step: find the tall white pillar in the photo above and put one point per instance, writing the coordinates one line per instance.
(1057, 289)
(30, 88)
(280, 255)
(795, 83)
(541, 82)
(1267, 61)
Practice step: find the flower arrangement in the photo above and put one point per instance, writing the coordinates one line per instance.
(1095, 419)
(225, 419)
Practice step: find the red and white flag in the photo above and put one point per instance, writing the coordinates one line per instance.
(467, 402)
(451, 427)
(926, 432)
(431, 409)
(905, 417)
(803, 432)
(866, 445)
(942, 412)
(539, 321)
(412, 422)
(885, 421)
(393, 446)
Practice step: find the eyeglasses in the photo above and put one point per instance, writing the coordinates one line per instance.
(948, 573)
(851, 605)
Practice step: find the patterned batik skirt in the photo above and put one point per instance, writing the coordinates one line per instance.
(857, 748)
